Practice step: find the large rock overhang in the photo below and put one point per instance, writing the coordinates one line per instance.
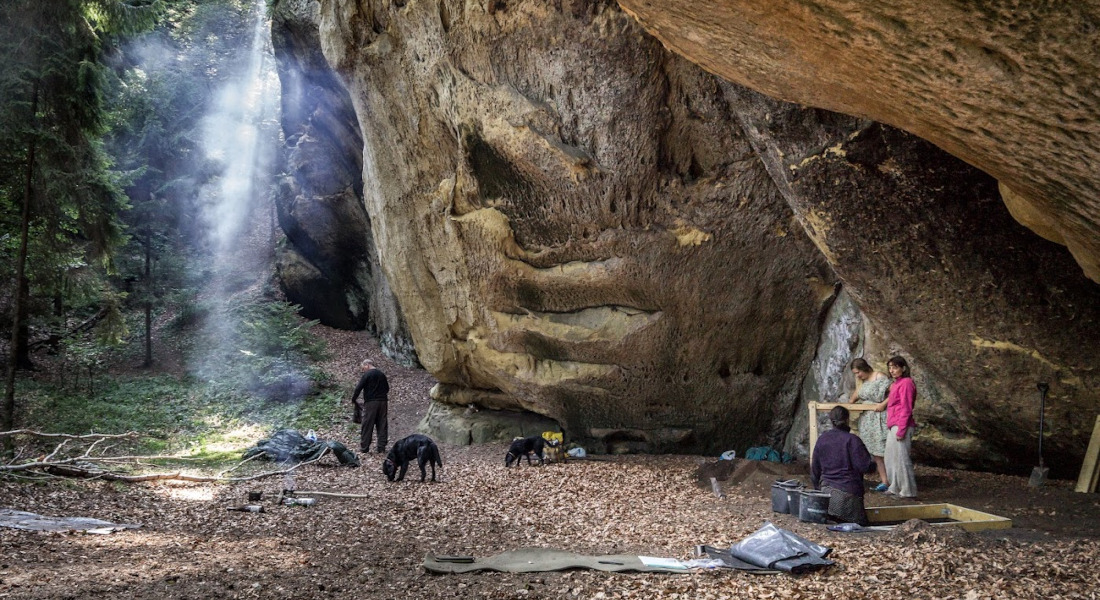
(1008, 87)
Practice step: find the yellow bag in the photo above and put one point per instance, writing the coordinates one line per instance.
(553, 450)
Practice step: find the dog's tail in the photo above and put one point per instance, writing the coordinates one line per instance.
(436, 457)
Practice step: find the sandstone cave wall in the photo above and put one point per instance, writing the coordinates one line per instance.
(930, 253)
(329, 264)
(923, 242)
(575, 224)
(581, 224)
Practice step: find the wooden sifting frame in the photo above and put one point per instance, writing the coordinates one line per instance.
(816, 406)
(966, 518)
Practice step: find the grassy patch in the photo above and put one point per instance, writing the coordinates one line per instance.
(256, 372)
(151, 405)
(209, 424)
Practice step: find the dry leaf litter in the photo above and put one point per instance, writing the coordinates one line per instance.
(191, 547)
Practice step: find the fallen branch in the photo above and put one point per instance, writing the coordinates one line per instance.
(87, 436)
(84, 473)
(71, 470)
(54, 339)
(49, 461)
(83, 464)
(240, 464)
(329, 494)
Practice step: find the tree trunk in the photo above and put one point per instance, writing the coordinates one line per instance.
(148, 300)
(59, 297)
(23, 345)
(7, 415)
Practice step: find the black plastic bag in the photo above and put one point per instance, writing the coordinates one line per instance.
(288, 445)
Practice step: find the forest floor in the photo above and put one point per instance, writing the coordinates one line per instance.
(190, 546)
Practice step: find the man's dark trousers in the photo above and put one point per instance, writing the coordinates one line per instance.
(374, 417)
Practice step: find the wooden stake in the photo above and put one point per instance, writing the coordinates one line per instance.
(1086, 481)
(717, 488)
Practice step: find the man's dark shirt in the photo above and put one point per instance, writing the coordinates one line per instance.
(373, 385)
(840, 460)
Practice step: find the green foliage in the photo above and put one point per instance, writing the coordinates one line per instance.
(85, 359)
(263, 347)
(195, 419)
(274, 329)
(113, 123)
(155, 406)
(53, 82)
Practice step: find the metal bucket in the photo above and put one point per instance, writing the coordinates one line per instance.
(779, 495)
(794, 499)
(813, 506)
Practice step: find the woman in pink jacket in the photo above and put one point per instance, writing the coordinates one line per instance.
(899, 420)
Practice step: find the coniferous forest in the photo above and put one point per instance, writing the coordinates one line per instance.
(119, 299)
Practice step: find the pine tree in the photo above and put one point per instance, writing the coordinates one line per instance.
(53, 171)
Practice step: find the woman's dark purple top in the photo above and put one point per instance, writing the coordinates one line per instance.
(840, 460)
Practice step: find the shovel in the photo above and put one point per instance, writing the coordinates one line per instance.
(1039, 474)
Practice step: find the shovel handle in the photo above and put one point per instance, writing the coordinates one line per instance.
(1043, 389)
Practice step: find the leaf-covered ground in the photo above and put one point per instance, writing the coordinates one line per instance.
(189, 546)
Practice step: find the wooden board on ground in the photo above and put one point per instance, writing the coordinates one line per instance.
(937, 515)
(1090, 469)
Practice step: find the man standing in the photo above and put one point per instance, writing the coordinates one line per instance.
(375, 389)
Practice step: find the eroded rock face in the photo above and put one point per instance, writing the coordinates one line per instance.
(329, 265)
(580, 224)
(987, 308)
(1008, 87)
(575, 224)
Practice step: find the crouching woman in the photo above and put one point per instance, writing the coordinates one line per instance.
(840, 461)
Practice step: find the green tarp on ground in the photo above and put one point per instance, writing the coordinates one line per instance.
(536, 560)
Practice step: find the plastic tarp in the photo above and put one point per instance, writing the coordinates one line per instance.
(18, 519)
(730, 561)
(536, 560)
(768, 454)
(768, 551)
(288, 445)
(774, 548)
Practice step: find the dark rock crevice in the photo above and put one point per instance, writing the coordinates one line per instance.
(329, 265)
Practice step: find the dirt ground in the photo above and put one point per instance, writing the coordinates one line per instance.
(189, 546)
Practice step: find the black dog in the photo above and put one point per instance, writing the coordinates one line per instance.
(524, 447)
(420, 447)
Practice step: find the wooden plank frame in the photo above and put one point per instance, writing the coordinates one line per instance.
(816, 406)
(1090, 469)
(966, 518)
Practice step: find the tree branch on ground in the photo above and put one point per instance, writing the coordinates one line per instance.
(329, 494)
(88, 436)
(67, 459)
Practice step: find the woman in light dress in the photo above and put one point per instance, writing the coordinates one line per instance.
(872, 425)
